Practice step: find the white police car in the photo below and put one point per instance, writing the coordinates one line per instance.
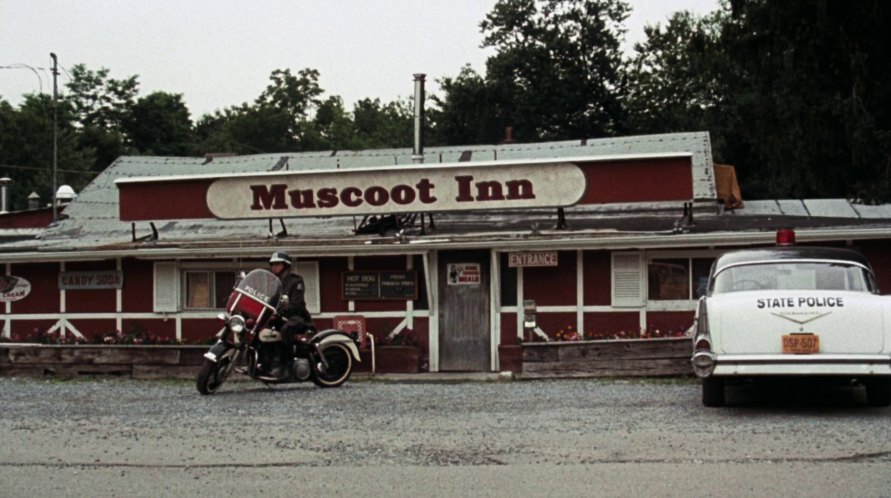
(793, 311)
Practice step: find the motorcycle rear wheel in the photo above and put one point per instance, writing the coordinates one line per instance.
(340, 366)
(212, 375)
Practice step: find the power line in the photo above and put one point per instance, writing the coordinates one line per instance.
(37, 168)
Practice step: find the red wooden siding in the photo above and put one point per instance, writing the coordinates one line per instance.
(44, 296)
(508, 328)
(667, 322)
(650, 180)
(597, 278)
(92, 328)
(330, 270)
(170, 200)
(602, 325)
(139, 287)
(158, 327)
(552, 286)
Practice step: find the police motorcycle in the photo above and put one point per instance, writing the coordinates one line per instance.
(324, 357)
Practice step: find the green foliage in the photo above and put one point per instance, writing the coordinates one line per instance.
(159, 124)
(26, 149)
(796, 94)
(556, 74)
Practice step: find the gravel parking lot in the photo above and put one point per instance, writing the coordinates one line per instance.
(368, 438)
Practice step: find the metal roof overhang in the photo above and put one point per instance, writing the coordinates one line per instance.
(505, 242)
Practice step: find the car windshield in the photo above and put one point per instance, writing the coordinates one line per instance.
(793, 276)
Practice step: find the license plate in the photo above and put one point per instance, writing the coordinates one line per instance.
(801, 344)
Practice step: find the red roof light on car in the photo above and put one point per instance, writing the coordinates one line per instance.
(786, 237)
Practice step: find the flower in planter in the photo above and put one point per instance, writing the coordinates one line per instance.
(567, 334)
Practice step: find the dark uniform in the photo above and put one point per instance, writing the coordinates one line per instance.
(293, 318)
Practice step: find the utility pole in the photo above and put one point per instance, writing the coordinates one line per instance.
(55, 135)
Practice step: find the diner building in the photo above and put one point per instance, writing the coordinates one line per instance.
(458, 251)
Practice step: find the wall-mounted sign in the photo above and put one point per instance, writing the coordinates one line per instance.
(539, 258)
(359, 285)
(13, 288)
(397, 190)
(84, 280)
(463, 274)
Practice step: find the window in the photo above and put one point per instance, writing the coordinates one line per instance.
(678, 279)
(208, 289)
(793, 276)
(508, 282)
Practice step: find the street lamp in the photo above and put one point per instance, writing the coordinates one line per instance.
(55, 135)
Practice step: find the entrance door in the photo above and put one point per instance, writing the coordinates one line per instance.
(464, 339)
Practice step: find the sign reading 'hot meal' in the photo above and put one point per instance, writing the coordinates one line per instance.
(401, 190)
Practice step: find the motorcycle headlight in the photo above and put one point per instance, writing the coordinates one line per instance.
(236, 324)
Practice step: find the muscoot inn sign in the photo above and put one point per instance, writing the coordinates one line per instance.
(358, 191)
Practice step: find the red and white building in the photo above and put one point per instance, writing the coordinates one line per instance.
(610, 237)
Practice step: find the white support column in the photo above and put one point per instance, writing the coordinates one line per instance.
(7, 323)
(520, 303)
(351, 305)
(119, 299)
(409, 304)
(580, 293)
(62, 305)
(494, 307)
(431, 270)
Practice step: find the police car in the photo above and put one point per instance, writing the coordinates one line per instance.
(793, 311)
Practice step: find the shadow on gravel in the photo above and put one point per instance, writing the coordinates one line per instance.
(799, 395)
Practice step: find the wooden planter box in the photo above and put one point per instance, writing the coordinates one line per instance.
(662, 357)
(145, 362)
(510, 358)
(392, 359)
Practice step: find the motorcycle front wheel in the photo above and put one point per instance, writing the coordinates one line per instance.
(212, 375)
(340, 366)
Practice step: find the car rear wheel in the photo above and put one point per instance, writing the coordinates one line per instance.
(712, 391)
(878, 392)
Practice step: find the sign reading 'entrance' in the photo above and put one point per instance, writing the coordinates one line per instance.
(527, 259)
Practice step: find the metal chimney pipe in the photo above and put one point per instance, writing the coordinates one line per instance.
(4, 182)
(417, 155)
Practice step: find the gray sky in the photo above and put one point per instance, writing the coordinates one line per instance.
(219, 53)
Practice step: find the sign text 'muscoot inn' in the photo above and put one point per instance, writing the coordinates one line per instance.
(420, 189)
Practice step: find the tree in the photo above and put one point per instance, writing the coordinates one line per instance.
(468, 111)
(557, 68)
(100, 106)
(811, 96)
(379, 125)
(159, 124)
(295, 96)
(26, 149)
(245, 130)
(98, 100)
(674, 79)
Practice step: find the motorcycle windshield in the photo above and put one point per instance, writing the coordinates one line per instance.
(259, 290)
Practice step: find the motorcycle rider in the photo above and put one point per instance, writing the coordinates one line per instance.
(294, 318)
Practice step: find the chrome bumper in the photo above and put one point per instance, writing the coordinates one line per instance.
(784, 364)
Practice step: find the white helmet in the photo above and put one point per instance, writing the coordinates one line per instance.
(280, 257)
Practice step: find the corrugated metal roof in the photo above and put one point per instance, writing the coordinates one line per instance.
(92, 219)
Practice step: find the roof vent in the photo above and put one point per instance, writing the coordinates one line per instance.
(65, 193)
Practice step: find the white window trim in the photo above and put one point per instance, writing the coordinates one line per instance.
(676, 304)
(628, 302)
